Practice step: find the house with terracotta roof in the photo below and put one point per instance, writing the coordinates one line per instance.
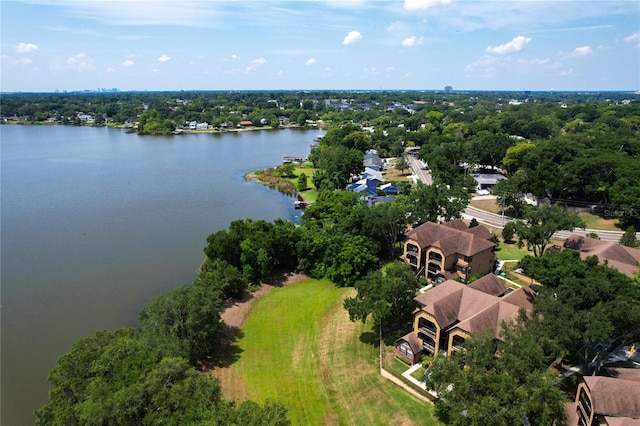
(624, 259)
(612, 400)
(449, 250)
(449, 313)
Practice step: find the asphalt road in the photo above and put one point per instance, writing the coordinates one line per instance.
(497, 221)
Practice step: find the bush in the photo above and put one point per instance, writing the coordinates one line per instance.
(508, 232)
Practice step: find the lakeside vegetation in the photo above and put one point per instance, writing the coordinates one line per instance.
(590, 142)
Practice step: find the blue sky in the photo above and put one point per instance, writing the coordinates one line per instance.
(52, 45)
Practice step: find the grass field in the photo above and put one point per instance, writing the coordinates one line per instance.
(299, 347)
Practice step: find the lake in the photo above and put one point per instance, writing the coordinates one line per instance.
(95, 222)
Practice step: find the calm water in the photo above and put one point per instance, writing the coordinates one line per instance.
(95, 222)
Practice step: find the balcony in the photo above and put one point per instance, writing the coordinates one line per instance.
(428, 347)
(584, 411)
(458, 348)
(436, 262)
(428, 331)
(412, 249)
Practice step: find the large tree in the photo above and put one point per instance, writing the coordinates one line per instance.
(116, 378)
(386, 296)
(538, 226)
(433, 203)
(496, 383)
(185, 322)
(582, 303)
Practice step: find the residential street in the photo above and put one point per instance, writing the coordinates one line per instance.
(498, 221)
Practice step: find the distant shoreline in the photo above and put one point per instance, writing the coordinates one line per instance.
(177, 132)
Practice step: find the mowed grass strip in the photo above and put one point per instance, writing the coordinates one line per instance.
(299, 347)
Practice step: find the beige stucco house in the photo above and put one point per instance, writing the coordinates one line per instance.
(449, 250)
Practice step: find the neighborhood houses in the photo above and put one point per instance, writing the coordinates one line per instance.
(449, 313)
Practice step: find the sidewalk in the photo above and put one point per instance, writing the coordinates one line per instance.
(407, 375)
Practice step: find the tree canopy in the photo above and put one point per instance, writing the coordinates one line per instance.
(539, 225)
(386, 296)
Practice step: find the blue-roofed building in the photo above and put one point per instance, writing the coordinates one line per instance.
(367, 186)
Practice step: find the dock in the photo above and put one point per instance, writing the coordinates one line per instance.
(293, 159)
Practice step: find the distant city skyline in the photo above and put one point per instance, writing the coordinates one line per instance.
(157, 45)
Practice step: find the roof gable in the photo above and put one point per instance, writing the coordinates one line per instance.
(489, 284)
(614, 397)
(452, 302)
(450, 239)
(625, 259)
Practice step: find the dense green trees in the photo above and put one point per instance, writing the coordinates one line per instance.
(385, 296)
(256, 248)
(119, 378)
(477, 387)
(148, 377)
(185, 322)
(581, 303)
(432, 203)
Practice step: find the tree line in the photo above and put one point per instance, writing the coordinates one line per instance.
(151, 375)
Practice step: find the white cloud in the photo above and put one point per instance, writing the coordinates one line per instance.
(565, 73)
(164, 58)
(256, 63)
(311, 61)
(144, 12)
(583, 51)
(132, 37)
(515, 45)
(80, 62)
(412, 41)
(15, 61)
(483, 62)
(633, 39)
(128, 63)
(343, 4)
(352, 37)
(26, 47)
(397, 27)
(423, 4)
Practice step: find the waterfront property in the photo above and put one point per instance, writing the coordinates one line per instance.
(449, 250)
(449, 313)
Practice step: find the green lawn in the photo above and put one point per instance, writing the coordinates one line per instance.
(511, 251)
(299, 347)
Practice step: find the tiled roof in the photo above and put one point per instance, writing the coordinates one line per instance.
(489, 284)
(490, 318)
(616, 396)
(414, 343)
(450, 238)
(624, 259)
(454, 304)
(522, 298)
